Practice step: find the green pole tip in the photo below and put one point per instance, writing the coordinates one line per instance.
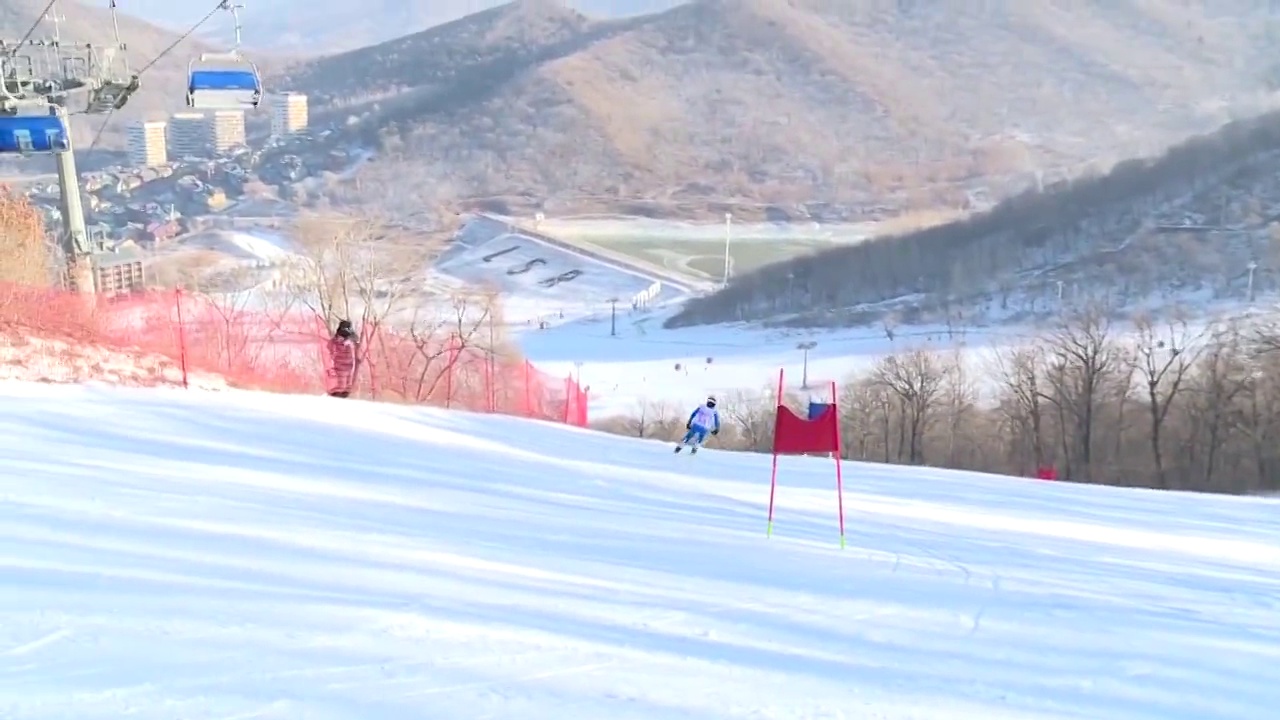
(768, 531)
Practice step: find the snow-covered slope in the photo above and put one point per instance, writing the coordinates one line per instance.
(183, 555)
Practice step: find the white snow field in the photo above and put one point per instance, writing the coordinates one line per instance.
(644, 363)
(169, 555)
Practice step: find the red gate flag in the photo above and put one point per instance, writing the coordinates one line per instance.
(794, 435)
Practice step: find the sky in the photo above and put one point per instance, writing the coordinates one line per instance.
(291, 22)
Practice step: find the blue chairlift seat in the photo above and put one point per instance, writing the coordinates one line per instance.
(32, 134)
(223, 83)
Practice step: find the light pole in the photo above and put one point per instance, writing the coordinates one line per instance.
(1252, 266)
(728, 238)
(805, 347)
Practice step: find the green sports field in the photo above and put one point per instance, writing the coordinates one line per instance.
(702, 259)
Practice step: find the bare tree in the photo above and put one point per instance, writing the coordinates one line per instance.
(866, 419)
(355, 267)
(1083, 358)
(454, 338)
(752, 417)
(1021, 373)
(1218, 381)
(915, 379)
(223, 314)
(359, 269)
(656, 418)
(959, 396)
(1258, 419)
(1163, 359)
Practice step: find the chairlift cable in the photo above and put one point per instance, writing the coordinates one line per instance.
(39, 19)
(106, 120)
(181, 38)
(221, 5)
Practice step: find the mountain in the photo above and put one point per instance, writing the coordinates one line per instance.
(903, 104)
(1191, 233)
(163, 86)
(321, 27)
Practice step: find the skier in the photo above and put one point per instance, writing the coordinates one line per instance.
(342, 353)
(703, 420)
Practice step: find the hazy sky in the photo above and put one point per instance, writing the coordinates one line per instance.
(184, 13)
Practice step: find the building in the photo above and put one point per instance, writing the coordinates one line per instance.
(189, 135)
(288, 113)
(227, 129)
(120, 271)
(148, 146)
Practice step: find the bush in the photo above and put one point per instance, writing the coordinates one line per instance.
(24, 250)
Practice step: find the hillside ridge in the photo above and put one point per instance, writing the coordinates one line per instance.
(890, 104)
(1112, 239)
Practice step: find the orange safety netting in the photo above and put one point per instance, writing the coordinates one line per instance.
(189, 340)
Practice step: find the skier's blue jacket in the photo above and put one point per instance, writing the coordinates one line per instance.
(705, 419)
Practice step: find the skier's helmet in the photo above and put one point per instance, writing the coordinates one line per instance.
(711, 401)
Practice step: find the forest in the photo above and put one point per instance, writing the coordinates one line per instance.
(1167, 404)
(1022, 234)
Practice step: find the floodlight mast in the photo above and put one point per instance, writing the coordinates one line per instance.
(49, 76)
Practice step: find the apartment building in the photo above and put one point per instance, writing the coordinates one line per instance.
(227, 129)
(147, 144)
(288, 113)
(189, 135)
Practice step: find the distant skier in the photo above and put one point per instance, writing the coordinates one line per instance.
(705, 419)
(342, 353)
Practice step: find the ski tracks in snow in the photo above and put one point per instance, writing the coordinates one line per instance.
(32, 646)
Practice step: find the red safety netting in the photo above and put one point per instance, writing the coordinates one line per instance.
(181, 339)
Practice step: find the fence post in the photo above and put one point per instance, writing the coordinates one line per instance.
(182, 338)
(568, 397)
(364, 347)
(491, 369)
(528, 404)
(488, 384)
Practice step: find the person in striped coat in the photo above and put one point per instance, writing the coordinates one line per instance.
(342, 356)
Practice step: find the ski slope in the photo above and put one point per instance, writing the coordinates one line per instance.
(645, 364)
(168, 555)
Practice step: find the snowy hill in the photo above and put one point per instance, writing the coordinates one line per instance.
(185, 555)
(539, 281)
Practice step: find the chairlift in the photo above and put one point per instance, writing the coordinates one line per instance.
(224, 81)
(33, 134)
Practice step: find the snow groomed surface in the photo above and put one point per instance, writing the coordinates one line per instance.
(234, 555)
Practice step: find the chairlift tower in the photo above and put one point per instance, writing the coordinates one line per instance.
(43, 83)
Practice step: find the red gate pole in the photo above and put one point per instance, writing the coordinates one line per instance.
(835, 408)
(773, 477)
